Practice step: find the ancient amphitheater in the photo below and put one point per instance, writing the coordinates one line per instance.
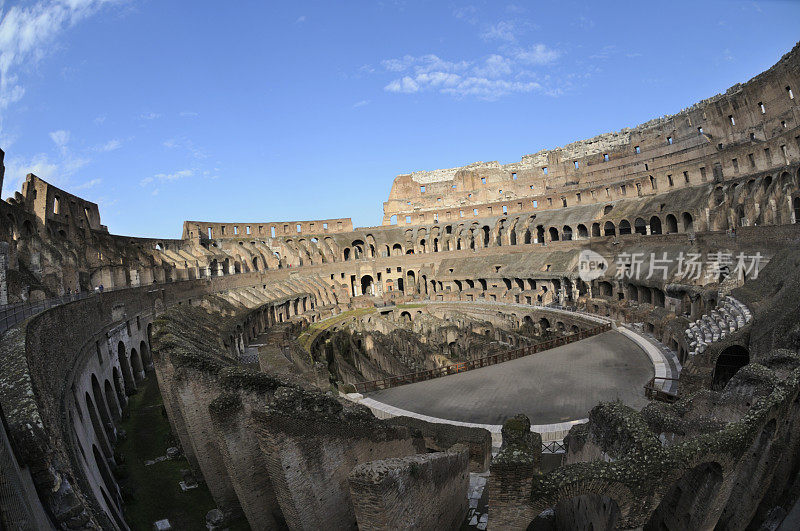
(602, 335)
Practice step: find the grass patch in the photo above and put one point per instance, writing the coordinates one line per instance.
(152, 492)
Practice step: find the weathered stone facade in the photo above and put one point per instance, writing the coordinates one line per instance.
(255, 337)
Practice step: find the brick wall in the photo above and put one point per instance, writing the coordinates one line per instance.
(425, 491)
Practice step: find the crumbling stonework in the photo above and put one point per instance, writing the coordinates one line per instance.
(425, 491)
(253, 334)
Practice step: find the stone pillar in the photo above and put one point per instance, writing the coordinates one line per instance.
(512, 470)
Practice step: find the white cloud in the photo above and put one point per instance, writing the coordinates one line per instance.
(406, 85)
(361, 103)
(56, 172)
(185, 144)
(150, 116)
(467, 13)
(100, 120)
(494, 76)
(501, 31)
(111, 145)
(300, 19)
(88, 184)
(27, 34)
(60, 138)
(538, 54)
(174, 176)
(189, 114)
(181, 174)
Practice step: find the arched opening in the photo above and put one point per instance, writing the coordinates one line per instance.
(136, 365)
(655, 225)
(553, 234)
(27, 228)
(672, 224)
(111, 401)
(127, 375)
(605, 288)
(688, 222)
(118, 387)
(528, 234)
(485, 236)
(566, 234)
(367, 285)
(411, 281)
(544, 324)
(144, 352)
(540, 234)
(397, 250)
(728, 363)
(639, 226)
(105, 412)
(595, 230)
(586, 512)
(583, 232)
(624, 227)
(102, 467)
(608, 229)
(796, 204)
(346, 253)
(405, 317)
(97, 426)
(688, 502)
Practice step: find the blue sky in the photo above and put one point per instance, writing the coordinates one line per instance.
(162, 111)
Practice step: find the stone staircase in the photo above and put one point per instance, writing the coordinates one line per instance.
(729, 316)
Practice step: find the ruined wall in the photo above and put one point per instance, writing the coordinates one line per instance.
(752, 125)
(417, 492)
(210, 230)
(312, 443)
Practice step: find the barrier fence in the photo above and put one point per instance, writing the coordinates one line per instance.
(462, 366)
(14, 313)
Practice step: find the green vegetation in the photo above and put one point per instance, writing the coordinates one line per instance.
(153, 492)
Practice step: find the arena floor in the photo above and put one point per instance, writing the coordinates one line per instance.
(554, 386)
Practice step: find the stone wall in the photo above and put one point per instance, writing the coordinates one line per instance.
(311, 444)
(442, 437)
(417, 492)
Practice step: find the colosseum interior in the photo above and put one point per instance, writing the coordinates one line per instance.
(599, 336)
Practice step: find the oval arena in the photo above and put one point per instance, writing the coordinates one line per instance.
(317, 375)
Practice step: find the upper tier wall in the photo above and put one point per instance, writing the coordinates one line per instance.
(210, 230)
(696, 143)
(51, 204)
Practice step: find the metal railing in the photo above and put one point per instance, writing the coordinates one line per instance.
(462, 366)
(12, 314)
(554, 447)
